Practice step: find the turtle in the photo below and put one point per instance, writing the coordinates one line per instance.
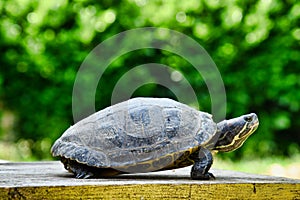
(146, 134)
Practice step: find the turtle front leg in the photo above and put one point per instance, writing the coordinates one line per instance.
(203, 162)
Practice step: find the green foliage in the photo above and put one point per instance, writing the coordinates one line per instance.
(255, 45)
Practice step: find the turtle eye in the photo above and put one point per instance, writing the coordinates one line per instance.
(248, 118)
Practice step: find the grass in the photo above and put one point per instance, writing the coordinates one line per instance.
(274, 166)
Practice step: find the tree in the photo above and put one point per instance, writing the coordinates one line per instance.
(255, 45)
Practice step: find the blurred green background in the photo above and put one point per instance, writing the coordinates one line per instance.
(255, 44)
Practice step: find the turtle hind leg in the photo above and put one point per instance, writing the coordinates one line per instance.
(79, 170)
(203, 161)
(82, 171)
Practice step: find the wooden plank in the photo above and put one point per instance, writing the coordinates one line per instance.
(48, 180)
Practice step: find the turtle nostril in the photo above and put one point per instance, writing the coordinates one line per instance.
(248, 118)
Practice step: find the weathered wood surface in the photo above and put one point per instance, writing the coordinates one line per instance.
(49, 180)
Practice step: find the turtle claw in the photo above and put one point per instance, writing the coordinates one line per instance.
(78, 175)
(200, 176)
(83, 175)
(211, 176)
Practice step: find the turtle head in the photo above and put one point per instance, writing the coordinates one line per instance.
(231, 134)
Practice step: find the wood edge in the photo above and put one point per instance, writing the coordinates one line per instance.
(155, 191)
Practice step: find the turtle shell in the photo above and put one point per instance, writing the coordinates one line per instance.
(138, 135)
